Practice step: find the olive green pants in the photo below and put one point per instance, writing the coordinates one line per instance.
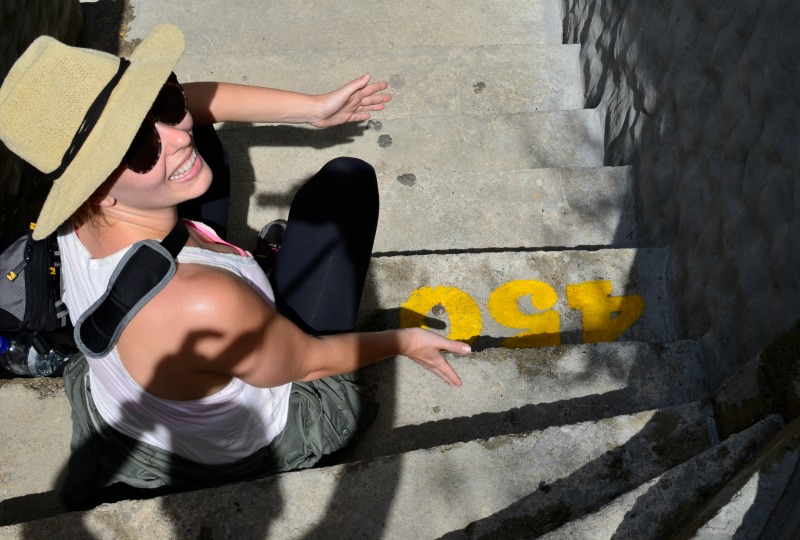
(324, 416)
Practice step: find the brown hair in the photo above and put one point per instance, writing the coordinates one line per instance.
(90, 212)
(87, 212)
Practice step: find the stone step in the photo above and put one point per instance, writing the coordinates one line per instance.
(279, 158)
(478, 211)
(750, 506)
(222, 26)
(504, 391)
(516, 391)
(526, 299)
(421, 494)
(35, 431)
(742, 517)
(424, 81)
(658, 508)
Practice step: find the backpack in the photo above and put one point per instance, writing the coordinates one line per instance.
(31, 290)
(30, 287)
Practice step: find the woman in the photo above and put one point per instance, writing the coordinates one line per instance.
(223, 375)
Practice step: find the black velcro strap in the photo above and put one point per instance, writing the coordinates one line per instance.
(141, 274)
(176, 239)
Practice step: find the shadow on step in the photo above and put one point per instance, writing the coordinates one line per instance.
(486, 425)
(437, 320)
(670, 438)
(686, 466)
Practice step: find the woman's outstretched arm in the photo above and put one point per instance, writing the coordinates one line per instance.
(234, 333)
(211, 102)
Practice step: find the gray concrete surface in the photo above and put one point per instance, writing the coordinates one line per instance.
(269, 154)
(239, 25)
(423, 81)
(35, 431)
(421, 494)
(603, 523)
(657, 508)
(702, 97)
(748, 509)
(745, 508)
(471, 211)
(514, 391)
(537, 388)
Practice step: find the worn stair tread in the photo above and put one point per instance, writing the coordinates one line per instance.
(505, 391)
(266, 26)
(514, 391)
(423, 81)
(602, 523)
(534, 208)
(420, 494)
(657, 509)
(743, 517)
(471, 295)
(35, 431)
(745, 506)
(283, 156)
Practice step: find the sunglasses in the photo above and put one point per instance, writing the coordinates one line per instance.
(169, 108)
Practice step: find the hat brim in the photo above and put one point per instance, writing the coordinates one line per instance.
(102, 152)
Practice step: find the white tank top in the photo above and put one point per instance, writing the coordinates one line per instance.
(221, 428)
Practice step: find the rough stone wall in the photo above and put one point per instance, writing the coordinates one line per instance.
(22, 21)
(703, 98)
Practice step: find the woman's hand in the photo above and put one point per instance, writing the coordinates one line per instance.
(350, 103)
(425, 348)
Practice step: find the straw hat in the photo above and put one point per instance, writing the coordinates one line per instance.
(45, 99)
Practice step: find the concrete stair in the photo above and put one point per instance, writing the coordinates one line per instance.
(761, 501)
(243, 25)
(651, 510)
(473, 79)
(584, 412)
(427, 211)
(525, 390)
(430, 493)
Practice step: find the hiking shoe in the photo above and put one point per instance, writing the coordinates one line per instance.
(269, 244)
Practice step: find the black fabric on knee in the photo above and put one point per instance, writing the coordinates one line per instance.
(320, 272)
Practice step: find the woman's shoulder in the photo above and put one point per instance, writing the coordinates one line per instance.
(205, 315)
(195, 282)
(199, 302)
(198, 291)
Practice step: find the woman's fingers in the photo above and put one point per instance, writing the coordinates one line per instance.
(448, 375)
(428, 352)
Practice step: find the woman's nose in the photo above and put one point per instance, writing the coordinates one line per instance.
(174, 138)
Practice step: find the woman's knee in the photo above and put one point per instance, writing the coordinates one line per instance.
(343, 180)
(349, 166)
(351, 172)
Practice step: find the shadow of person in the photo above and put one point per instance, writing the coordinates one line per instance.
(107, 466)
(250, 187)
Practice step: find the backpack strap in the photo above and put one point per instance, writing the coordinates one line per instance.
(141, 274)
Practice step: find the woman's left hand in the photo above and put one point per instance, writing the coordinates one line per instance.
(351, 103)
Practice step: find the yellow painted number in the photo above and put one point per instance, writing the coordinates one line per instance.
(542, 329)
(463, 311)
(605, 317)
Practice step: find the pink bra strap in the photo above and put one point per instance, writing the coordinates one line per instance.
(209, 233)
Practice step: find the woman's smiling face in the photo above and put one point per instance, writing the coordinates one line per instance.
(179, 175)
